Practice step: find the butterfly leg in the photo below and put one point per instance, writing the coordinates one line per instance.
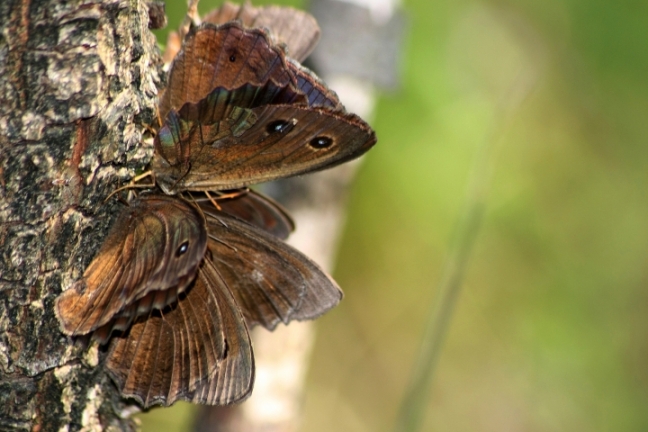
(213, 201)
(159, 117)
(233, 194)
(132, 184)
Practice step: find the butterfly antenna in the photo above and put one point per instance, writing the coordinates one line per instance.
(189, 197)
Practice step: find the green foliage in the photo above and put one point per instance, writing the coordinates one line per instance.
(550, 330)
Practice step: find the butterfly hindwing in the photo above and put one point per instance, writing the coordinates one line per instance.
(271, 281)
(197, 349)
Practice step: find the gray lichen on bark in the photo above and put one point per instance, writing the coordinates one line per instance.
(78, 85)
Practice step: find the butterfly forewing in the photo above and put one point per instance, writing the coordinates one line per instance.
(283, 141)
(155, 244)
(224, 114)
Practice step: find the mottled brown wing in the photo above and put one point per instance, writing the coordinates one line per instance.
(296, 29)
(245, 204)
(254, 208)
(156, 244)
(223, 113)
(197, 349)
(271, 281)
(225, 56)
(262, 143)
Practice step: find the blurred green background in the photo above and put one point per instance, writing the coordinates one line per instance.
(551, 328)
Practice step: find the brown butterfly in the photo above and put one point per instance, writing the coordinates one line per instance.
(238, 112)
(198, 348)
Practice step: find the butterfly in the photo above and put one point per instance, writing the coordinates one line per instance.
(198, 348)
(182, 275)
(238, 113)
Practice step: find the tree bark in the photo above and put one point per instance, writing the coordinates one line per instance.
(77, 88)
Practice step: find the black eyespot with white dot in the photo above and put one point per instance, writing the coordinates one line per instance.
(279, 126)
(321, 142)
(184, 247)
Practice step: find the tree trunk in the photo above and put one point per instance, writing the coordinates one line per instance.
(77, 87)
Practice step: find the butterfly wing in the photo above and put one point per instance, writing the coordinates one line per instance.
(272, 141)
(225, 56)
(315, 90)
(297, 29)
(271, 281)
(223, 113)
(197, 349)
(229, 56)
(254, 208)
(155, 245)
(247, 115)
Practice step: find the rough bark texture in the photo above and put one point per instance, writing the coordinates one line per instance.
(77, 87)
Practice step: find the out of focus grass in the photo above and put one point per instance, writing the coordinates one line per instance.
(551, 330)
